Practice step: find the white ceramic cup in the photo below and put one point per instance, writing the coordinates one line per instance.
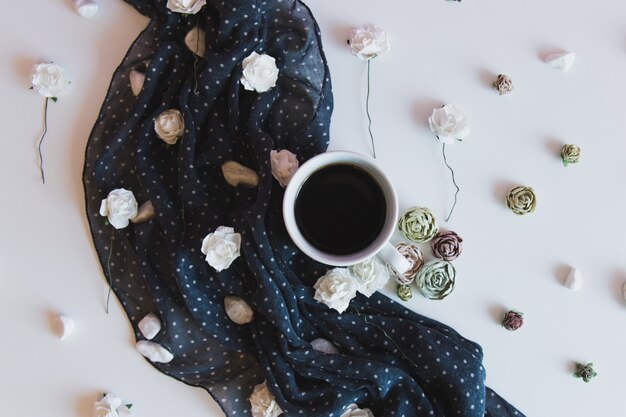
(380, 246)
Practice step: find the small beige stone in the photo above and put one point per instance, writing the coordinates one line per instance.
(324, 346)
(136, 79)
(195, 41)
(235, 174)
(238, 310)
(145, 213)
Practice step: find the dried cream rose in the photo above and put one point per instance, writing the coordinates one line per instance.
(260, 72)
(263, 402)
(449, 123)
(353, 410)
(368, 42)
(284, 165)
(371, 276)
(119, 207)
(336, 289)
(50, 80)
(169, 126)
(185, 6)
(221, 247)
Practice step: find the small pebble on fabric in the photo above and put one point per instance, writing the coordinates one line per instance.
(353, 410)
(154, 351)
(324, 346)
(436, 279)
(513, 320)
(570, 154)
(238, 310)
(521, 200)
(414, 255)
(237, 174)
(574, 280)
(585, 371)
(284, 165)
(262, 402)
(63, 326)
(418, 224)
(145, 213)
(149, 326)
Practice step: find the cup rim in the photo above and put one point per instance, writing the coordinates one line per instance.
(313, 165)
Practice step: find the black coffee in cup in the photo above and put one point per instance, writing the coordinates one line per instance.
(340, 209)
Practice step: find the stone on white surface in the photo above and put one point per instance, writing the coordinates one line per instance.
(136, 81)
(238, 310)
(324, 346)
(562, 61)
(64, 326)
(154, 352)
(86, 8)
(150, 326)
(574, 280)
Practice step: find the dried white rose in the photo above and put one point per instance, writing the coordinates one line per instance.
(371, 276)
(562, 61)
(336, 289)
(119, 207)
(260, 72)
(221, 247)
(154, 352)
(169, 126)
(369, 41)
(63, 326)
(50, 80)
(238, 310)
(263, 402)
(185, 6)
(86, 8)
(150, 326)
(284, 165)
(110, 406)
(353, 410)
(449, 123)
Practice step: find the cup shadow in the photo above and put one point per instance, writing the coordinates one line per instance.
(497, 312)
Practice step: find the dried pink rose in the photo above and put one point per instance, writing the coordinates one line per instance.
(447, 246)
(416, 260)
(513, 320)
(284, 165)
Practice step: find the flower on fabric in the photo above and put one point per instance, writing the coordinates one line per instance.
(185, 6)
(513, 320)
(119, 207)
(353, 410)
(404, 292)
(284, 165)
(169, 126)
(570, 154)
(263, 402)
(369, 41)
(447, 246)
(436, 279)
(110, 406)
(414, 255)
(50, 80)
(521, 200)
(336, 289)
(418, 224)
(503, 84)
(449, 123)
(260, 72)
(371, 276)
(221, 247)
(585, 371)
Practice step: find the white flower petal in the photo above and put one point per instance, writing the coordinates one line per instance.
(336, 289)
(369, 41)
(154, 352)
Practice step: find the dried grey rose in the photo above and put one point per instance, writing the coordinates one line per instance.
(570, 154)
(585, 371)
(416, 260)
(503, 84)
(522, 200)
(404, 292)
(418, 224)
(447, 246)
(436, 279)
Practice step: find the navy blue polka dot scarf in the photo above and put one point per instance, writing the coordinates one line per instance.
(390, 360)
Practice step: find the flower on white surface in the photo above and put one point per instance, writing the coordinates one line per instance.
(119, 207)
(369, 41)
(169, 126)
(336, 289)
(260, 72)
(263, 402)
(221, 247)
(64, 326)
(353, 410)
(371, 276)
(185, 6)
(110, 406)
(284, 165)
(449, 123)
(50, 80)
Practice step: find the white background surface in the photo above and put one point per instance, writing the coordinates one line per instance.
(443, 52)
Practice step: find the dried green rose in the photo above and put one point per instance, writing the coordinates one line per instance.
(521, 200)
(436, 279)
(585, 371)
(418, 224)
(570, 154)
(503, 84)
(404, 292)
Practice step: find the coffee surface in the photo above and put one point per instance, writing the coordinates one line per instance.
(340, 209)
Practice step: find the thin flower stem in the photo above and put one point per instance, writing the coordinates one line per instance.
(43, 135)
(367, 108)
(456, 194)
(106, 307)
